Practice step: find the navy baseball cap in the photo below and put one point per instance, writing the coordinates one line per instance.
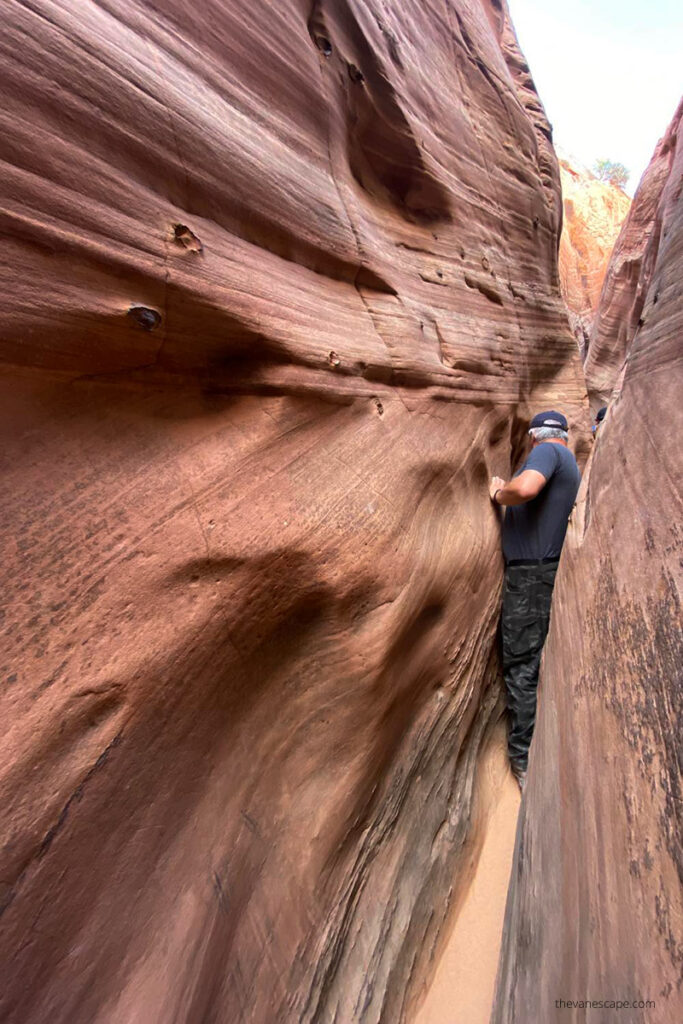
(549, 419)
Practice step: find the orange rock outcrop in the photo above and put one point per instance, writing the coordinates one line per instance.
(593, 211)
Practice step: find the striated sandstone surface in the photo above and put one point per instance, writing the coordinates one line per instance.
(627, 283)
(280, 290)
(593, 212)
(595, 909)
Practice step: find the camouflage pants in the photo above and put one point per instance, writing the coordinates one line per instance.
(527, 595)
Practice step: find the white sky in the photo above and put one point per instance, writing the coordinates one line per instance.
(609, 73)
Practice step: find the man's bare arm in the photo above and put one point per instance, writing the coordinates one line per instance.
(520, 489)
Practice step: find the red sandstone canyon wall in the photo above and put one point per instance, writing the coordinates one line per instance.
(595, 906)
(280, 291)
(593, 213)
(626, 286)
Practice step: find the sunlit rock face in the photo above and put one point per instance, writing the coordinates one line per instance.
(280, 290)
(593, 212)
(627, 299)
(596, 904)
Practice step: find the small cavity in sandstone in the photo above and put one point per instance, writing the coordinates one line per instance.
(434, 276)
(355, 74)
(333, 359)
(145, 317)
(183, 236)
(486, 290)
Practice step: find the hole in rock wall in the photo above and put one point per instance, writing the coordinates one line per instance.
(145, 317)
(186, 238)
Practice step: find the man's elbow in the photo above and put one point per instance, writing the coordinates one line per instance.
(528, 489)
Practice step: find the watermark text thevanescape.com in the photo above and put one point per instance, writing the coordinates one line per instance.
(604, 1004)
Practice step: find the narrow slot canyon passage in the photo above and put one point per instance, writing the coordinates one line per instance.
(285, 286)
(462, 988)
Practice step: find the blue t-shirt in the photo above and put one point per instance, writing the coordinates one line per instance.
(537, 528)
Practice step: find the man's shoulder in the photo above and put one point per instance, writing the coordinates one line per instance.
(567, 456)
(543, 458)
(560, 454)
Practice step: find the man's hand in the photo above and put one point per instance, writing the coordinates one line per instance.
(497, 484)
(521, 488)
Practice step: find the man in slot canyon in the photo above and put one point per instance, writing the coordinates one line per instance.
(600, 415)
(538, 501)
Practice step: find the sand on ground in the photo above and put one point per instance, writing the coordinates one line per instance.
(462, 987)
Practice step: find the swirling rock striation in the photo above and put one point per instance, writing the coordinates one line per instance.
(280, 289)
(595, 906)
